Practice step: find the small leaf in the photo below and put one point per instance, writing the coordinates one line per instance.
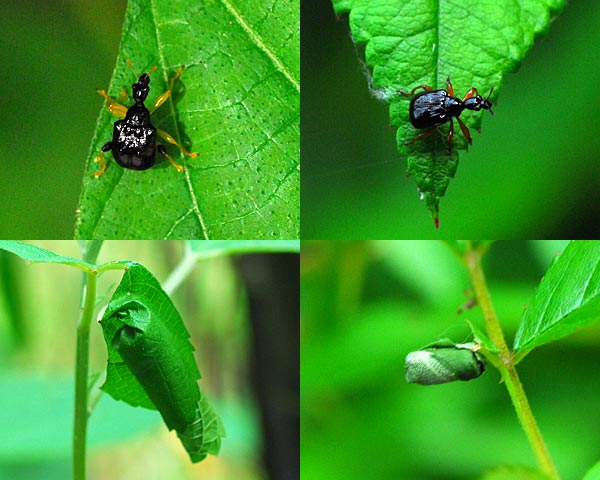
(418, 42)
(32, 253)
(567, 298)
(151, 362)
(482, 339)
(236, 104)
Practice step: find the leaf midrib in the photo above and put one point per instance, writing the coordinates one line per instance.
(188, 181)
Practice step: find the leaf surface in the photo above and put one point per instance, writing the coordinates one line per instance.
(422, 42)
(33, 253)
(236, 104)
(151, 362)
(567, 298)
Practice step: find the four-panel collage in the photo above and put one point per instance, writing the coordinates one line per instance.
(179, 302)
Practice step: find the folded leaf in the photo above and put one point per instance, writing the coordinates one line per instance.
(151, 362)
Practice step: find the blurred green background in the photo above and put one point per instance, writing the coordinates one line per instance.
(532, 173)
(39, 307)
(365, 305)
(54, 54)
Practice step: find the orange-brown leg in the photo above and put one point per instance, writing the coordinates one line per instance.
(427, 88)
(422, 135)
(465, 131)
(450, 137)
(449, 87)
(163, 98)
(165, 136)
(163, 151)
(113, 105)
(100, 159)
(471, 93)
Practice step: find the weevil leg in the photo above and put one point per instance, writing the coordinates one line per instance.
(422, 135)
(100, 159)
(427, 88)
(465, 131)
(163, 151)
(122, 97)
(165, 136)
(450, 135)
(163, 98)
(449, 87)
(113, 105)
(471, 93)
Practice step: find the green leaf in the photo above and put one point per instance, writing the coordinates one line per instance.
(213, 248)
(236, 104)
(593, 473)
(151, 362)
(567, 298)
(31, 253)
(482, 339)
(418, 42)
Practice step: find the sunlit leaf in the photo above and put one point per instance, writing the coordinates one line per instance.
(567, 298)
(418, 42)
(236, 104)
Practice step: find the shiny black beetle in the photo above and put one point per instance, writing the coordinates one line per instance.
(431, 108)
(134, 138)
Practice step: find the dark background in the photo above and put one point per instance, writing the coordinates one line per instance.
(532, 173)
(54, 55)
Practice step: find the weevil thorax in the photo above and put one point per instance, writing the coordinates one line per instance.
(138, 115)
(453, 106)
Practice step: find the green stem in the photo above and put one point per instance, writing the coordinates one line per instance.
(90, 250)
(180, 273)
(507, 366)
(81, 377)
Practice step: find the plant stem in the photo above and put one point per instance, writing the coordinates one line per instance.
(181, 272)
(90, 252)
(507, 365)
(81, 376)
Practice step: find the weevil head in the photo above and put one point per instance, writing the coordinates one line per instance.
(141, 88)
(478, 102)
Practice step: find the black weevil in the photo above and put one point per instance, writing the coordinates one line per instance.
(431, 108)
(134, 138)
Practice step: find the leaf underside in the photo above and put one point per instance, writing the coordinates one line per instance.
(32, 253)
(420, 42)
(236, 105)
(567, 298)
(151, 362)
